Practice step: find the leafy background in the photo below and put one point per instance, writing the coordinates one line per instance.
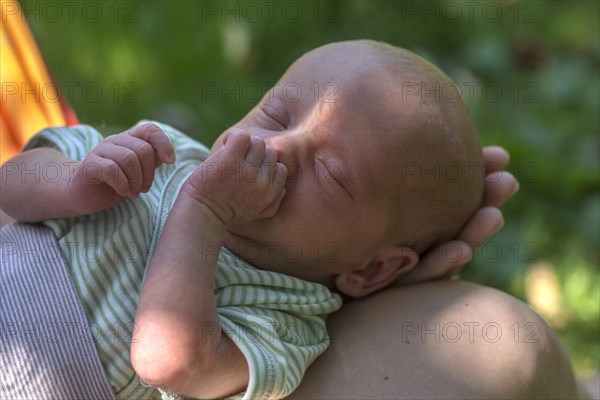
(529, 70)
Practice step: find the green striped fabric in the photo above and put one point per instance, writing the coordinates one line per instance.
(277, 321)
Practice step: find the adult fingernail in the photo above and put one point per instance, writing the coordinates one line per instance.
(499, 226)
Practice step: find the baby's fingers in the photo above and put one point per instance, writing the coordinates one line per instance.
(141, 178)
(277, 172)
(97, 170)
(237, 143)
(128, 168)
(271, 170)
(274, 206)
(160, 142)
(257, 151)
(279, 177)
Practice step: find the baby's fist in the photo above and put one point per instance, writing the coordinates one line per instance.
(120, 166)
(240, 182)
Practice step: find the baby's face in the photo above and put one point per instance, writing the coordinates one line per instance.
(329, 122)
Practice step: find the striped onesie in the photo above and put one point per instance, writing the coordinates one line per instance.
(277, 321)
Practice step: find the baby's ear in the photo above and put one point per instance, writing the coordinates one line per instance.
(388, 265)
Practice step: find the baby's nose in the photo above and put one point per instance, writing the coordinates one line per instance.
(286, 157)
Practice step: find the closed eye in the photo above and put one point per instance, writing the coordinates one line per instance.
(328, 173)
(269, 116)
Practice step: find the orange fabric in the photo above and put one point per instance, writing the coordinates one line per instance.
(29, 100)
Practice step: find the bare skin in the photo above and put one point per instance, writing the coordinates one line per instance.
(358, 331)
(400, 360)
(169, 354)
(346, 156)
(439, 340)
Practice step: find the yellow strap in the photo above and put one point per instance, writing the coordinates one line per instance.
(29, 99)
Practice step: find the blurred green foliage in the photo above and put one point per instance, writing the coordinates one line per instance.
(529, 71)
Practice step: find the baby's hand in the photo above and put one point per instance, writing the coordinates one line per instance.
(240, 182)
(121, 166)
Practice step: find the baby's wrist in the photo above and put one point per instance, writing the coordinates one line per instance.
(208, 208)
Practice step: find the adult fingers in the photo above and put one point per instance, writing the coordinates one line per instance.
(498, 187)
(483, 224)
(495, 158)
(442, 261)
(448, 258)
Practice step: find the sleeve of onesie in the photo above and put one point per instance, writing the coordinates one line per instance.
(74, 142)
(77, 142)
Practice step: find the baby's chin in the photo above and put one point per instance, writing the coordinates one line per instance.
(266, 255)
(232, 241)
(255, 252)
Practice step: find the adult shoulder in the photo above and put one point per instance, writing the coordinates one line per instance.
(442, 339)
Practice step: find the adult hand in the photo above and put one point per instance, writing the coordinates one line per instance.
(447, 259)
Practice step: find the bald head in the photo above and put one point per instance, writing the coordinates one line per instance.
(432, 144)
(378, 159)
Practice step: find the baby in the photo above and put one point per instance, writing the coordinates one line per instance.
(229, 260)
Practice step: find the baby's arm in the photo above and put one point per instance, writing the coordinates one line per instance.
(119, 167)
(179, 344)
(26, 195)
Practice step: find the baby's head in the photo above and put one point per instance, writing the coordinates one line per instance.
(384, 162)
